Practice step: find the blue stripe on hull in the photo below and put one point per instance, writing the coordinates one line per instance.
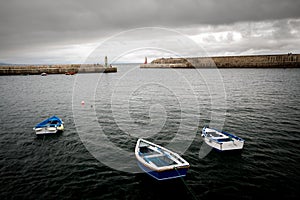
(164, 175)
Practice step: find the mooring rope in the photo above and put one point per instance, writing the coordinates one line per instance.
(186, 186)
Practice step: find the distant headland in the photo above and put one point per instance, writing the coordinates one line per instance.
(251, 61)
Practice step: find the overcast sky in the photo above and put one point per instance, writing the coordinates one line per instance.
(67, 31)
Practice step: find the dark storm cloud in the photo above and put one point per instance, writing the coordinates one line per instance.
(242, 38)
(25, 24)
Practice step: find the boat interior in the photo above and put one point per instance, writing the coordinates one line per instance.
(221, 137)
(157, 156)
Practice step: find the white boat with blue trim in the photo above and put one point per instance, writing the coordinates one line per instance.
(221, 140)
(51, 125)
(159, 162)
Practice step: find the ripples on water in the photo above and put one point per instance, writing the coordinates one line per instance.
(262, 106)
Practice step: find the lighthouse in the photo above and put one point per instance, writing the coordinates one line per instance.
(145, 60)
(105, 61)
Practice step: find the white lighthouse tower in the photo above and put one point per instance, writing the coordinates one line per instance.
(105, 61)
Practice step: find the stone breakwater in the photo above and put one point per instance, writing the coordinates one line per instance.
(255, 61)
(54, 69)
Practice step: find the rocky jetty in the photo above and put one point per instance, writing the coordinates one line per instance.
(254, 61)
(54, 69)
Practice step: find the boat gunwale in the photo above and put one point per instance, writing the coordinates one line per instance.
(229, 135)
(185, 164)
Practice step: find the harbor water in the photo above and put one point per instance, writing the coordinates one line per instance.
(93, 158)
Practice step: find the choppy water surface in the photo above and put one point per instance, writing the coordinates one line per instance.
(165, 106)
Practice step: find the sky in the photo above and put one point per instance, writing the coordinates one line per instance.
(70, 31)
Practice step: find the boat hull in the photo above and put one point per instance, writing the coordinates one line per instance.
(164, 175)
(49, 130)
(224, 146)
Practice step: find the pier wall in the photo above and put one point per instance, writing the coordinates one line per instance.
(255, 61)
(54, 69)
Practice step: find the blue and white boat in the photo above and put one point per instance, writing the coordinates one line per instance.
(159, 162)
(51, 125)
(222, 140)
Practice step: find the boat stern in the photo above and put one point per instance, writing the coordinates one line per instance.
(166, 174)
(61, 127)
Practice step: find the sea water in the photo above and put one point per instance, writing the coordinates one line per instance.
(93, 158)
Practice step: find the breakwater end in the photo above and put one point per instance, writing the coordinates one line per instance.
(54, 69)
(252, 61)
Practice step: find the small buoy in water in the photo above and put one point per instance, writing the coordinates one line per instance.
(82, 102)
